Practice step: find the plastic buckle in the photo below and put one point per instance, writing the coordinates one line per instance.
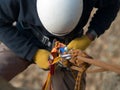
(45, 40)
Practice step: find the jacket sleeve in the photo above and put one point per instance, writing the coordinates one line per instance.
(106, 13)
(11, 37)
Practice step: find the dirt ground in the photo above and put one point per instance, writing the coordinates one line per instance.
(106, 48)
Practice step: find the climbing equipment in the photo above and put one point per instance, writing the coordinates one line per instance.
(64, 59)
(79, 61)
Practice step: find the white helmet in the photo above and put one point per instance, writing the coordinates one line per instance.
(59, 17)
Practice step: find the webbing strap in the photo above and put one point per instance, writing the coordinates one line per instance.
(22, 26)
(48, 84)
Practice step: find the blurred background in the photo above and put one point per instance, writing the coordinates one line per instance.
(105, 48)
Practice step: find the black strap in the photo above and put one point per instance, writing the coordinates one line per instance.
(45, 40)
(36, 32)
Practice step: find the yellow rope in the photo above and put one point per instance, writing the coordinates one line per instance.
(47, 85)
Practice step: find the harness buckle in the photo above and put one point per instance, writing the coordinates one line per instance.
(45, 40)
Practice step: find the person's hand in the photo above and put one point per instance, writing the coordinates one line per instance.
(41, 58)
(79, 43)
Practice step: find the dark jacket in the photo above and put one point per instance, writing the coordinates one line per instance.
(25, 11)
